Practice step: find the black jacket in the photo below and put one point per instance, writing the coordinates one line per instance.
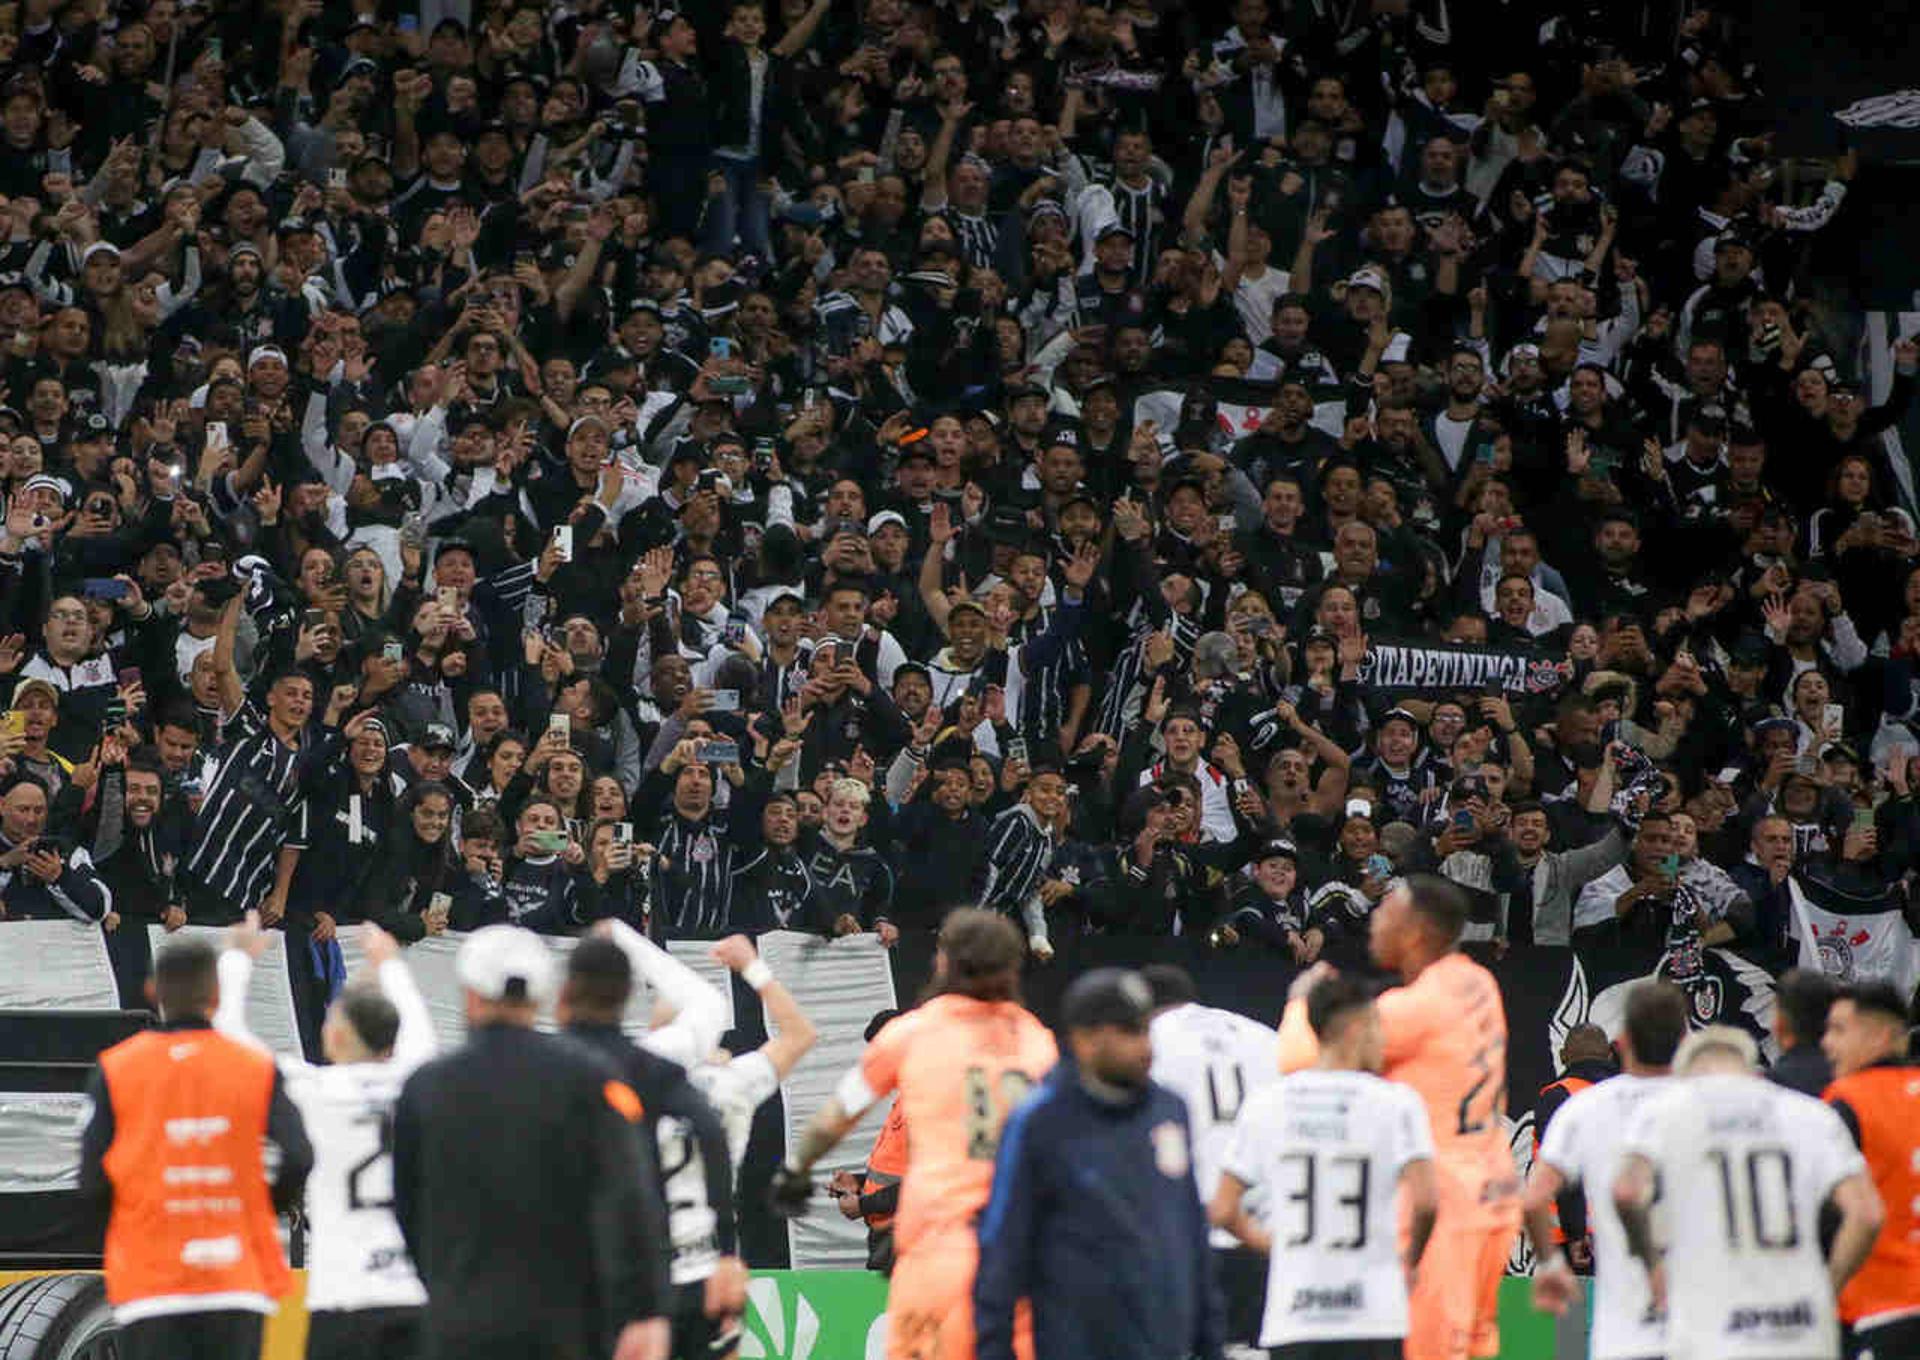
(686, 1128)
(530, 1202)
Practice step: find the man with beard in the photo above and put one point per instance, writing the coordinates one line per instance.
(1093, 1208)
(259, 311)
(137, 841)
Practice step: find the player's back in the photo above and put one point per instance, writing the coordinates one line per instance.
(1882, 1105)
(1214, 1060)
(1329, 1147)
(736, 1089)
(1446, 1037)
(962, 1065)
(1586, 1142)
(1744, 1169)
(356, 1256)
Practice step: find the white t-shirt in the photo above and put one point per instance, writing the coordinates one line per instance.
(1744, 1168)
(1214, 1060)
(1583, 1143)
(1329, 1148)
(736, 1089)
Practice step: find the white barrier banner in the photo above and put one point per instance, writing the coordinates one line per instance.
(270, 1013)
(55, 965)
(839, 984)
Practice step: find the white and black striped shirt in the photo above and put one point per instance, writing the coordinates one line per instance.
(978, 236)
(692, 877)
(253, 806)
(1018, 852)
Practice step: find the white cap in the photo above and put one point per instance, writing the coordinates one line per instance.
(885, 517)
(506, 963)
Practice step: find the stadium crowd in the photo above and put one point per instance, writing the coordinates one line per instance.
(809, 466)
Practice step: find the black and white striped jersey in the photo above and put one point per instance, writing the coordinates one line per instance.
(254, 805)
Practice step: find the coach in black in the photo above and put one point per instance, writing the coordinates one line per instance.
(529, 1199)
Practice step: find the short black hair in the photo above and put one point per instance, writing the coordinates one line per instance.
(1804, 996)
(1656, 1021)
(599, 980)
(1170, 984)
(1333, 999)
(374, 1018)
(1440, 903)
(186, 979)
(1877, 996)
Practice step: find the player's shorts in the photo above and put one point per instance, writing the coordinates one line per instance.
(1454, 1313)
(1898, 1340)
(930, 1303)
(1378, 1349)
(363, 1334)
(695, 1335)
(1243, 1286)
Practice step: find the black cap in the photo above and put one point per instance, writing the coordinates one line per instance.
(1107, 996)
(1279, 847)
(1751, 648)
(437, 737)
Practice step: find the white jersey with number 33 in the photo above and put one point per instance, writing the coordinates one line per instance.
(1328, 1148)
(1214, 1060)
(1744, 1168)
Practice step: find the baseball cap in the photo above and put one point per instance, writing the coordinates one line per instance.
(436, 737)
(1400, 715)
(1114, 228)
(26, 687)
(1279, 847)
(1107, 996)
(505, 963)
(885, 517)
(1368, 277)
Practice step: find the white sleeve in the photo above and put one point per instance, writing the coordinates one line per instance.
(700, 1012)
(415, 1043)
(1242, 1159)
(230, 1016)
(1412, 1135)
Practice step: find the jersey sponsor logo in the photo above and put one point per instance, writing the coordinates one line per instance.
(210, 1253)
(197, 1175)
(1170, 1150)
(1350, 1299)
(203, 1130)
(1797, 1316)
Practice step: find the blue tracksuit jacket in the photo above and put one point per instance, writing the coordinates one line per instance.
(1095, 1217)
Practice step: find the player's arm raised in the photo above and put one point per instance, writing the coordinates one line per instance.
(793, 1033)
(699, 1011)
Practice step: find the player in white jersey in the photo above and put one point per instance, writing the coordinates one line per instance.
(1583, 1150)
(363, 1297)
(1743, 1169)
(1334, 1146)
(690, 1016)
(1214, 1060)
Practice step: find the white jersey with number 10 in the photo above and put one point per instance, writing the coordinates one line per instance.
(1744, 1167)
